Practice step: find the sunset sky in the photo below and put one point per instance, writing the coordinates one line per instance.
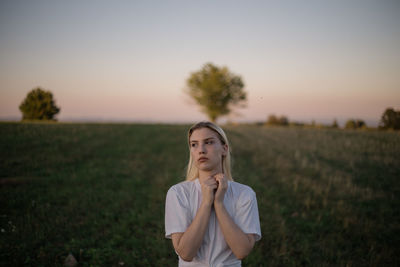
(129, 60)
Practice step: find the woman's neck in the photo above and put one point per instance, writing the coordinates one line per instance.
(205, 174)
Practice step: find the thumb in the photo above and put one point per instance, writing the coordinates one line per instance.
(219, 176)
(218, 180)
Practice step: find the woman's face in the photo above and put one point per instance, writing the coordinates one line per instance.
(207, 150)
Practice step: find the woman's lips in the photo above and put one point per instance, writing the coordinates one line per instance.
(202, 159)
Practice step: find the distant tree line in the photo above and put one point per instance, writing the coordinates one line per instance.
(390, 119)
(282, 120)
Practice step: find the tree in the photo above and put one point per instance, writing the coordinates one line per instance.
(355, 124)
(360, 124)
(335, 124)
(284, 121)
(390, 119)
(39, 105)
(350, 124)
(274, 120)
(216, 90)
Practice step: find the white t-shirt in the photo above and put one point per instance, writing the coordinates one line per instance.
(182, 202)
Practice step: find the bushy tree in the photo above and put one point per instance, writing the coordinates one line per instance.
(355, 124)
(360, 124)
(284, 121)
(39, 105)
(216, 90)
(350, 124)
(274, 120)
(390, 119)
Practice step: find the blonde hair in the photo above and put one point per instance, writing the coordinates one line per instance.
(192, 171)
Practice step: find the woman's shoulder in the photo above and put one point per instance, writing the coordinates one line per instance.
(242, 190)
(183, 187)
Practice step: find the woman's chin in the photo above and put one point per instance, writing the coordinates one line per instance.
(205, 167)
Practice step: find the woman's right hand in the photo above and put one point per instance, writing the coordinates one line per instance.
(208, 187)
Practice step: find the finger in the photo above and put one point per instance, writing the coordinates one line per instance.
(210, 179)
(212, 187)
(210, 182)
(218, 175)
(220, 179)
(222, 183)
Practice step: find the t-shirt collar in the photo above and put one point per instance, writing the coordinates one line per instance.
(197, 183)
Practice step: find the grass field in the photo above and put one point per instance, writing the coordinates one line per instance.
(97, 191)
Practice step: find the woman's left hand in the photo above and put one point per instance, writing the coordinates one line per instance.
(221, 189)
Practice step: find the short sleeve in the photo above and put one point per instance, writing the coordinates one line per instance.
(247, 217)
(177, 216)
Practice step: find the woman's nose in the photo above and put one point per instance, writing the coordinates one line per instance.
(202, 149)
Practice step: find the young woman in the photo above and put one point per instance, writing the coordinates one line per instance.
(212, 220)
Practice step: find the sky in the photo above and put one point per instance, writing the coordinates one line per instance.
(129, 60)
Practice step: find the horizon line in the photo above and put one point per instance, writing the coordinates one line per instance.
(323, 121)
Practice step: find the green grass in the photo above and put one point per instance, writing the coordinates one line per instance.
(326, 197)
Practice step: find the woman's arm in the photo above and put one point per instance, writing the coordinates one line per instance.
(240, 243)
(188, 243)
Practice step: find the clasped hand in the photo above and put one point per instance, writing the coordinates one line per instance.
(213, 189)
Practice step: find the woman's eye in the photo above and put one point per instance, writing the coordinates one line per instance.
(209, 142)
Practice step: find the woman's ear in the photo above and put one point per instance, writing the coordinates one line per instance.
(225, 150)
